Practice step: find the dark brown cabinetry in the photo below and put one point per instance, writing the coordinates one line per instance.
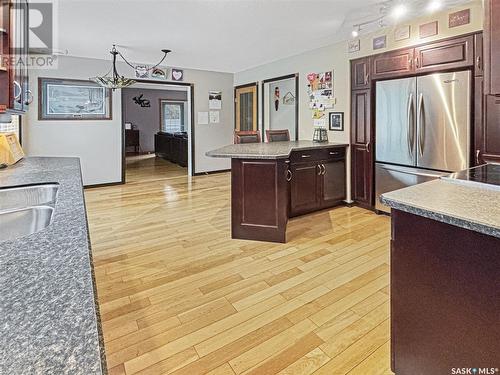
(458, 53)
(132, 139)
(360, 74)
(172, 147)
(319, 183)
(362, 162)
(488, 136)
(393, 64)
(14, 86)
(444, 296)
(450, 54)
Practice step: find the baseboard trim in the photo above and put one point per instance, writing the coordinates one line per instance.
(103, 185)
(212, 172)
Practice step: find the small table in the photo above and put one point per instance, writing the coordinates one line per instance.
(132, 139)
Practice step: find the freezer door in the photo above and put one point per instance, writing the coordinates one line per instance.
(443, 121)
(395, 121)
(391, 177)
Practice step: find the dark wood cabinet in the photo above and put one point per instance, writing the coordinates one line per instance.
(478, 120)
(454, 53)
(478, 53)
(490, 140)
(360, 74)
(15, 94)
(304, 188)
(319, 183)
(333, 189)
(132, 139)
(172, 147)
(393, 64)
(444, 297)
(491, 47)
(362, 163)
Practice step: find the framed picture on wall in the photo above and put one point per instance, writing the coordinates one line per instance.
(336, 121)
(71, 99)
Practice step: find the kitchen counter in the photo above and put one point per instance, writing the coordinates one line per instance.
(271, 150)
(49, 315)
(471, 206)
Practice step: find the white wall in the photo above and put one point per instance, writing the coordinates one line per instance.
(336, 58)
(284, 117)
(98, 143)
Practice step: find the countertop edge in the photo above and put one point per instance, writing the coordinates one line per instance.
(441, 217)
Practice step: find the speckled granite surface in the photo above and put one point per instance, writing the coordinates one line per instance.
(272, 150)
(468, 206)
(47, 307)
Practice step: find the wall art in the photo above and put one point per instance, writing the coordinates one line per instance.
(159, 73)
(353, 45)
(141, 71)
(380, 42)
(428, 29)
(141, 101)
(462, 17)
(402, 33)
(177, 75)
(320, 90)
(214, 117)
(70, 99)
(336, 121)
(215, 99)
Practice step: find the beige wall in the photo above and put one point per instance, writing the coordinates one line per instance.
(336, 58)
(98, 143)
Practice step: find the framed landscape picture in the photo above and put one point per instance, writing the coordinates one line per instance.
(70, 99)
(336, 121)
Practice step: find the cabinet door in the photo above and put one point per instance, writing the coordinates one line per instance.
(361, 149)
(478, 120)
(4, 50)
(333, 183)
(491, 41)
(450, 54)
(478, 55)
(19, 49)
(491, 130)
(393, 64)
(360, 74)
(304, 188)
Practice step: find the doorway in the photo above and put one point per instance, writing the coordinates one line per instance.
(157, 131)
(246, 107)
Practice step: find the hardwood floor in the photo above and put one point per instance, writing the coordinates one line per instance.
(178, 295)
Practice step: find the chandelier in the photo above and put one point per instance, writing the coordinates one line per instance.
(113, 80)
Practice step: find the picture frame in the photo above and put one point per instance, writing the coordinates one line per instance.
(336, 121)
(379, 42)
(402, 33)
(72, 99)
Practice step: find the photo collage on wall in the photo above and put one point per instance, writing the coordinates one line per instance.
(320, 91)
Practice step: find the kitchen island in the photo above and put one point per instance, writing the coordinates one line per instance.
(49, 315)
(271, 182)
(445, 296)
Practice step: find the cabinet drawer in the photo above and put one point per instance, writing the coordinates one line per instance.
(306, 156)
(334, 153)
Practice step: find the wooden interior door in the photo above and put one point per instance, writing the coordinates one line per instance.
(246, 101)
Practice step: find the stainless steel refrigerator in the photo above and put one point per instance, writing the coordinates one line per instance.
(422, 129)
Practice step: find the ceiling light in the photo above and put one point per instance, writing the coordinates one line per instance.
(434, 5)
(355, 32)
(398, 11)
(114, 80)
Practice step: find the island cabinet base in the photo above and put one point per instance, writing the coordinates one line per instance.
(259, 199)
(445, 297)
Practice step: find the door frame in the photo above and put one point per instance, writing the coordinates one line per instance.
(191, 134)
(251, 84)
(281, 78)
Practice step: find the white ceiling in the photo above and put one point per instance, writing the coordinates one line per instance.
(219, 35)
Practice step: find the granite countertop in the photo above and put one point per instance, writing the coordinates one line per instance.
(271, 150)
(48, 312)
(470, 206)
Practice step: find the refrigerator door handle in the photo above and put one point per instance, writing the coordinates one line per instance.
(421, 127)
(410, 138)
(415, 173)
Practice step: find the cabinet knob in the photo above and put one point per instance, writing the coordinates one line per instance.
(368, 147)
(289, 175)
(478, 62)
(324, 169)
(19, 88)
(305, 156)
(478, 154)
(319, 169)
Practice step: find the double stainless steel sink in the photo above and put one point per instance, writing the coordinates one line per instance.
(25, 210)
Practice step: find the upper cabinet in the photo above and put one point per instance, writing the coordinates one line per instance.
(14, 86)
(449, 54)
(392, 64)
(360, 74)
(491, 47)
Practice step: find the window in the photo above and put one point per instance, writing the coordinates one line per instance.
(172, 117)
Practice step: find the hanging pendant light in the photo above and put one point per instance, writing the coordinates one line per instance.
(113, 80)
